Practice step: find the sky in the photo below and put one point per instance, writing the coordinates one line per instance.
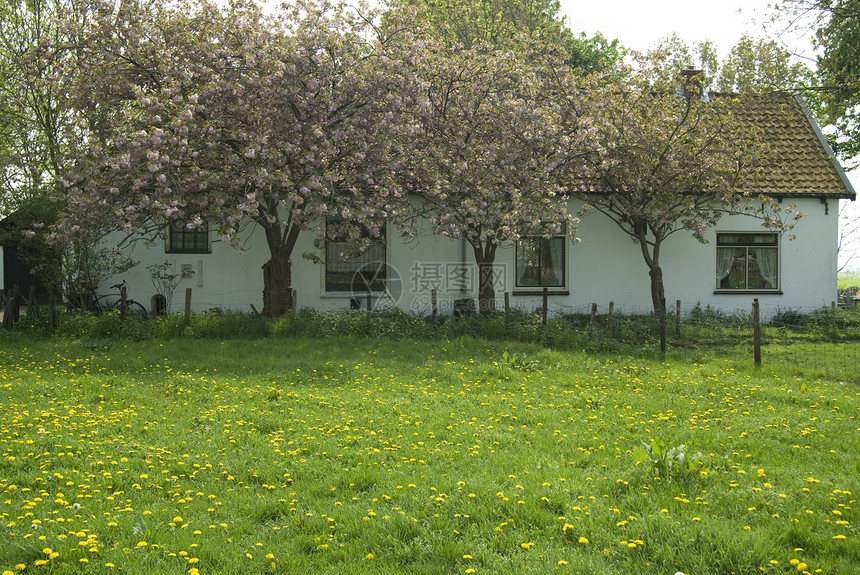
(641, 25)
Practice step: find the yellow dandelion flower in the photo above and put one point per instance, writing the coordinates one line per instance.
(583, 540)
(562, 562)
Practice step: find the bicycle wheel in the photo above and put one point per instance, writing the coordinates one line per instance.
(132, 307)
(105, 303)
(135, 308)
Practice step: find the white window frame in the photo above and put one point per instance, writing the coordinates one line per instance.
(531, 288)
(180, 227)
(349, 289)
(725, 264)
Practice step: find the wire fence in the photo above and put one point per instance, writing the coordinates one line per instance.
(812, 342)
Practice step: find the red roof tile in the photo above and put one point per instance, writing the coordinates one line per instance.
(804, 164)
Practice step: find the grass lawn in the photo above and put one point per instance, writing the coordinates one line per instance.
(848, 279)
(354, 455)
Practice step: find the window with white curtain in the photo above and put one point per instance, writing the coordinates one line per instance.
(747, 261)
(541, 262)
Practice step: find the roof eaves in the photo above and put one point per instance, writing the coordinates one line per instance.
(850, 194)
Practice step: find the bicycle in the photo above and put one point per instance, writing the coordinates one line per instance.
(119, 301)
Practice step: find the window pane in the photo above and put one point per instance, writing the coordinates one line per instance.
(736, 276)
(762, 268)
(746, 239)
(182, 239)
(540, 262)
(362, 272)
(528, 263)
(552, 262)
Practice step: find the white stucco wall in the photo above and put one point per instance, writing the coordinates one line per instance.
(606, 265)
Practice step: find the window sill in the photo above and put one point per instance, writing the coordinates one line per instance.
(540, 292)
(350, 294)
(748, 292)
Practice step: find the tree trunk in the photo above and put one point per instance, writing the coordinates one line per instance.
(484, 257)
(277, 286)
(651, 254)
(657, 293)
(278, 271)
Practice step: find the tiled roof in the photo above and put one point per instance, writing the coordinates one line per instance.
(804, 164)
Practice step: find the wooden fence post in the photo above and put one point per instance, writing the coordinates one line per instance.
(543, 316)
(53, 311)
(123, 302)
(15, 302)
(9, 319)
(433, 303)
(591, 320)
(611, 308)
(187, 306)
(663, 325)
(678, 318)
(33, 304)
(7, 310)
(293, 306)
(833, 318)
(756, 333)
(507, 308)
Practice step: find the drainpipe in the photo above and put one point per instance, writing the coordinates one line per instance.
(463, 251)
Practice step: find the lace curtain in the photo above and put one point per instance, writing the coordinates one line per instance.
(725, 261)
(768, 264)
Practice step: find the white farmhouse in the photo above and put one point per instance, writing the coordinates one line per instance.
(740, 261)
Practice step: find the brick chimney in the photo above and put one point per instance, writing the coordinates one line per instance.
(693, 83)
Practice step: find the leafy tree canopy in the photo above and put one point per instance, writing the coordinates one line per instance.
(33, 111)
(505, 24)
(752, 66)
(836, 27)
(200, 113)
(669, 161)
(761, 65)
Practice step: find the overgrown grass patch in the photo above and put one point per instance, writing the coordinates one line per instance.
(354, 455)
